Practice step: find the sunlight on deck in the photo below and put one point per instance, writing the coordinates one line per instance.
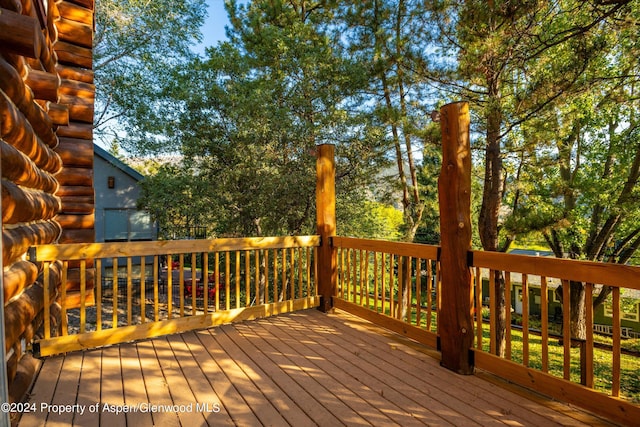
(301, 369)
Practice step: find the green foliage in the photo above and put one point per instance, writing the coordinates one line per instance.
(137, 42)
(248, 117)
(375, 220)
(551, 87)
(177, 201)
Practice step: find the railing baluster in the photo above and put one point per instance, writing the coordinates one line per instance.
(194, 284)
(247, 278)
(205, 282)
(340, 278)
(266, 276)
(292, 275)
(143, 296)
(438, 293)
(83, 295)
(156, 282)
(429, 294)
(114, 296)
(376, 284)
(98, 287)
(169, 286)
(492, 310)
(227, 282)
(257, 277)
(366, 278)
(507, 298)
(566, 328)
(129, 291)
(587, 373)
(355, 275)
(275, 275)
(300, 275)
(617, 329)
(383, 291)
(418, 292)
(361, 277)
(544, 304)
(47, 298)
(216, 273)
(525, 320)
(409, 296)
(237, 291)
(478, 295)
(283, 292)
(315, 271)
(308, 266)
(63, 298)
(391, 286)
(346, 289)
(181, 283)
(400, 300)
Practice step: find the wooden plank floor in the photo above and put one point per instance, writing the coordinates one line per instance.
(300, 369)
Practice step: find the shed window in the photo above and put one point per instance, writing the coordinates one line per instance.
(628, 311)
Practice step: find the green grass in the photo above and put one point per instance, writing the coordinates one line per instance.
(602, 363)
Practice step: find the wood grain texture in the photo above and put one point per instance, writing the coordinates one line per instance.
(326, 223)
(455, 322)
(304, 368)
(604, 273)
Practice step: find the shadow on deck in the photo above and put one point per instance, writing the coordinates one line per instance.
(299, 369)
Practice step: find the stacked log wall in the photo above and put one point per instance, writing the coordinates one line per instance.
(46, 152)
(75, 67)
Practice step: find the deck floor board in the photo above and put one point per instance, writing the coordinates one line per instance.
(413, 370)
(156, 384)
(299, 369)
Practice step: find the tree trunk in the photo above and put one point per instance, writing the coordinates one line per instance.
(489, 212)
(262, 297)
(578, 311)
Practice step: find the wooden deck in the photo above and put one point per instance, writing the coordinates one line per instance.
(300, 369)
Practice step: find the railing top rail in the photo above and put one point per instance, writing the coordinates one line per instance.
(76, 251)
(416, 250)
(601, 273)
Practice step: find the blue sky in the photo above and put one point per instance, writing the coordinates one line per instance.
(213, 29)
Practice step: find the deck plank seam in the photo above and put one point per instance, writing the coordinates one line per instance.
(477, 402)
(293, 387)
(336, 368)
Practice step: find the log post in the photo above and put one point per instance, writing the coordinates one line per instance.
(455, 321)
(326, 224)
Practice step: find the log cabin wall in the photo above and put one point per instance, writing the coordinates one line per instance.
(46, 115)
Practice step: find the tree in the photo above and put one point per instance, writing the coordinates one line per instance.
(248, 118)
(516, 61)
(178, 201)
(388, 38)
(136, 43)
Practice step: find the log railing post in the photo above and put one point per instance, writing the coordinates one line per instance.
(455, 321)
(326, 224)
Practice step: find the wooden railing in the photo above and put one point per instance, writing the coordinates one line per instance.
(371, 274)
(369, 284)
(147, 289)
(541, 350)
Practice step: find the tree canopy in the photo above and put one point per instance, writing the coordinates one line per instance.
(552, 87)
